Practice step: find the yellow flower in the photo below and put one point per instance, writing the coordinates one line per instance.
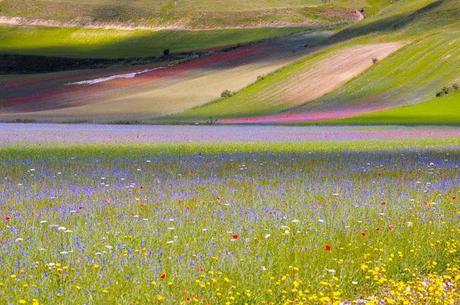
(22, 301)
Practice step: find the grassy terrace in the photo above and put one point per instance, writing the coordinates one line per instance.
(100, 43)
(437, 111)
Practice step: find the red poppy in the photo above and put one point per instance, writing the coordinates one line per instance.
(163, 275)
(235, 236)
(7, 218)
(328, 248)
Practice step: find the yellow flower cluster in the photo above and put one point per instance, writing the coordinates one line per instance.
(433, 289)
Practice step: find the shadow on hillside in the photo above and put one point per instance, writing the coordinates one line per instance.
(387, 24)
(23, 64)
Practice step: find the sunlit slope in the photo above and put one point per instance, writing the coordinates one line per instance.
(190, 13)
(291, 86)
(429, 61)
(110, 43)
(412, 75)
(438, 111)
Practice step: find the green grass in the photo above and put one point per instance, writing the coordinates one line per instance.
(437, 111)
(247, 225)
(190, 13)
(99, 43)
(45, 151)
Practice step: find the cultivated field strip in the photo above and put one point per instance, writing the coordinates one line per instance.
(300, 83)
(159, 92)
(12, 134)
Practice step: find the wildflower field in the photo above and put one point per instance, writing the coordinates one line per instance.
(299, 223)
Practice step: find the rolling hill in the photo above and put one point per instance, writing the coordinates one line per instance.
(181, 14)
(396, 58)
(429, 61)
(147, 91)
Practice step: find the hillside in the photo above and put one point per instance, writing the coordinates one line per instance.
(429, 61)
(146, 91)
(180, 14)
(110, 43)
(436, 111)
(401, 54)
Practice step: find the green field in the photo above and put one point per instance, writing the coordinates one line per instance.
(437, 111)
(125, 213)
(297, 223)
(99, 43)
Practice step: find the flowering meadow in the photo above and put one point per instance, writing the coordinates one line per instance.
(241, 225)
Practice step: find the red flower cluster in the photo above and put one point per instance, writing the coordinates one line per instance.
(328, 248)
(235, 236)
